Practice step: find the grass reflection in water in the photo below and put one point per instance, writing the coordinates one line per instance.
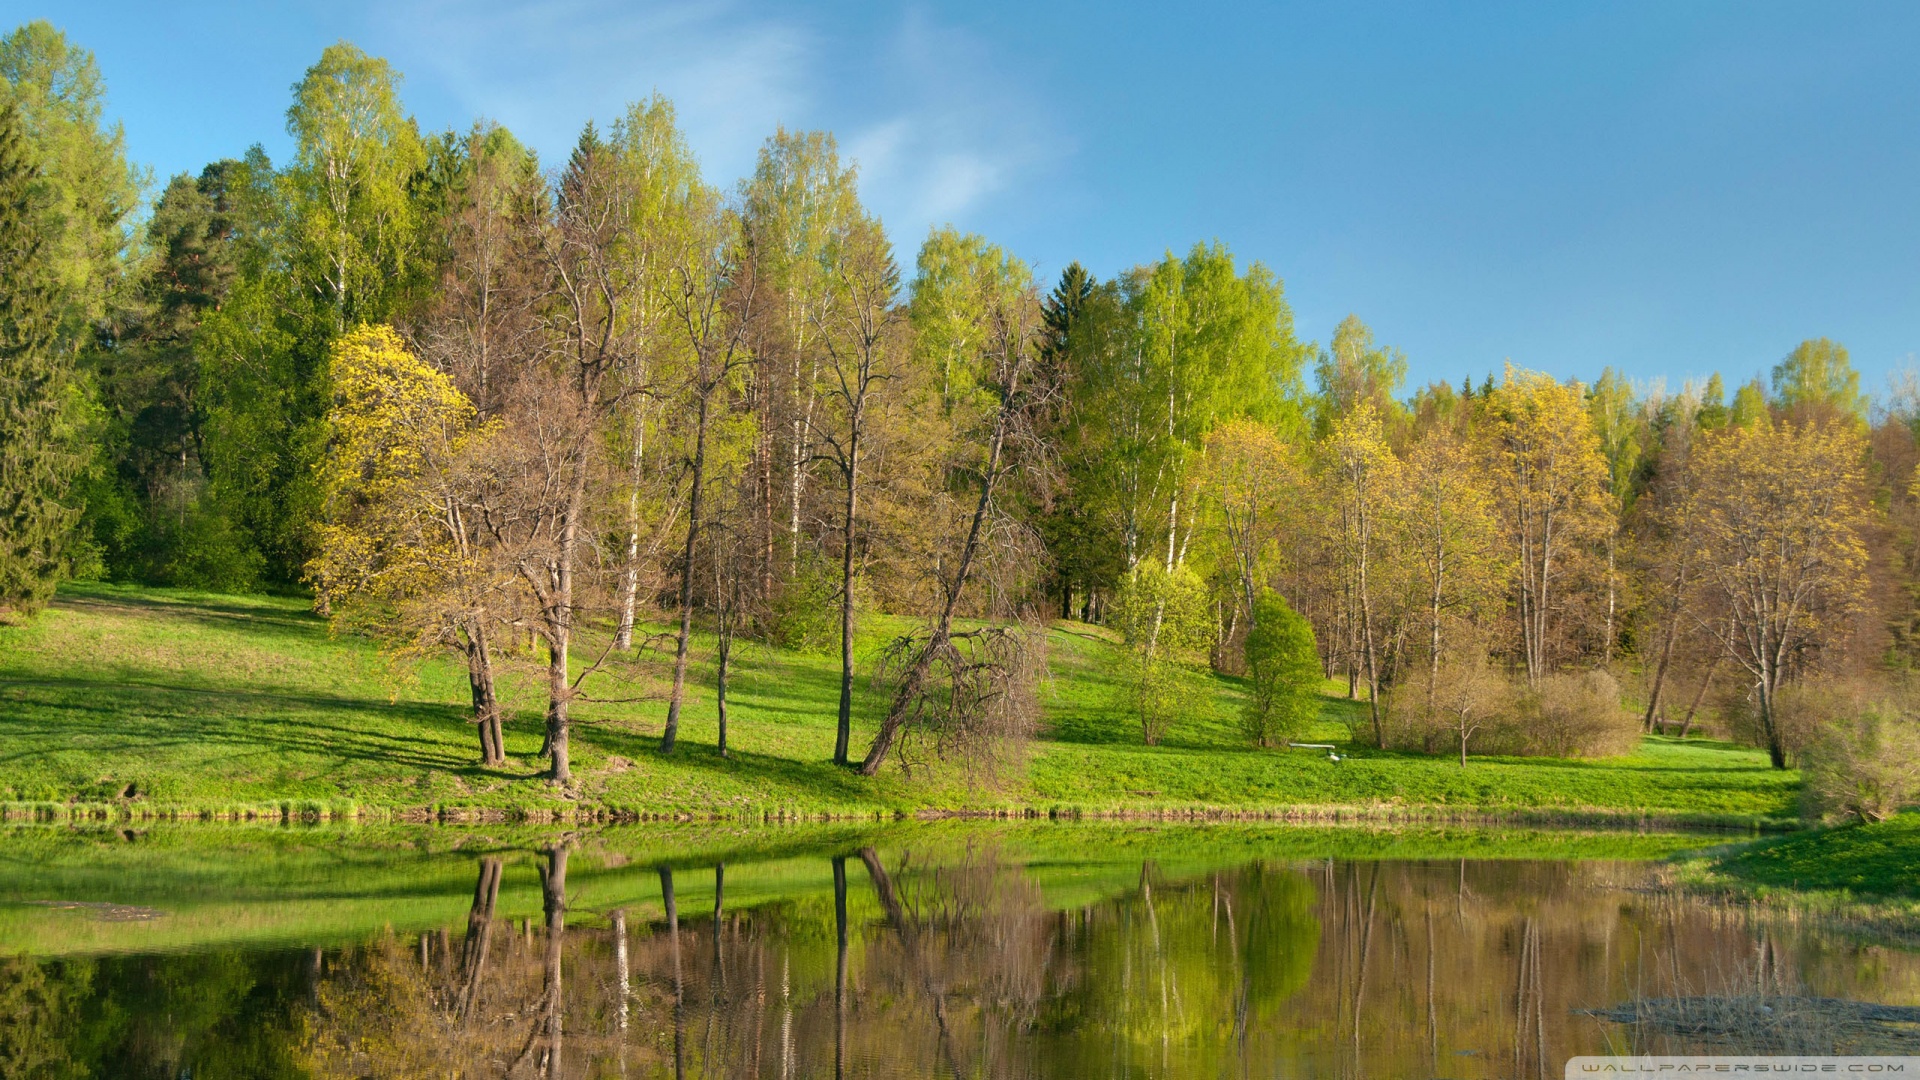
(1055, 951)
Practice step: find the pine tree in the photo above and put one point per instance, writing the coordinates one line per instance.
(37, 462)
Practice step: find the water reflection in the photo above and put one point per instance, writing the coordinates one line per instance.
(970, 961)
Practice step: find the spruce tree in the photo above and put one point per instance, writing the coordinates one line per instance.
(37, 462)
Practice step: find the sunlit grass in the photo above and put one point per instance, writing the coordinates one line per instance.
(143, 698)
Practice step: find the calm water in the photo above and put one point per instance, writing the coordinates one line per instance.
(1055, 951)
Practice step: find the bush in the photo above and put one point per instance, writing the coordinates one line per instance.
(1573, 715)
(1168, 627)
(1862, 765)
(1283, 673)
(806, 612)
(1473, 710)
(1577, 716)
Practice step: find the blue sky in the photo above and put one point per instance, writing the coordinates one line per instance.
(1667, 188)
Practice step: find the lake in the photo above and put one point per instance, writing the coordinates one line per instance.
(897, 950)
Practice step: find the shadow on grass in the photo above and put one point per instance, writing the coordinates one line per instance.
(252, 723)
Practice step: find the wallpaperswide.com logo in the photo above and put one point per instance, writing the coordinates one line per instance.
(1599, 1068)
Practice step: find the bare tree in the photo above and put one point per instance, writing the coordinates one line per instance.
(859, 333)
(981, 692)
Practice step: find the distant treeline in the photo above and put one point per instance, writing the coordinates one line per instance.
(473, 401)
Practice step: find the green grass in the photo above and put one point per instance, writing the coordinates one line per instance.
(1867, 861)
(273, 885)
(135, 701)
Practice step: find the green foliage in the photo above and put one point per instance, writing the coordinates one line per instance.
(1283, 673)
(84, 194)
(1817, 375)
(39, 398)
(806, 612)
(355, 154)
(146, 505)
(1863, 764)
(1353, 370)
(1168, 626)
(1749, 405)
(40, 1016)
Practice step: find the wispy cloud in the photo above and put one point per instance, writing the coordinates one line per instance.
(545, 68)
(954, 129)
(939, 125)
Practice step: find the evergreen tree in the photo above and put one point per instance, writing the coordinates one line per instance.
(37, 461)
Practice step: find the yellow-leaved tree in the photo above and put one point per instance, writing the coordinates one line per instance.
(1358, 476)
(399, 550)
(1448, 543)
(1775, 518)
(1550, 488)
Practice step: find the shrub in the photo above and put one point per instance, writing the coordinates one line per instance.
(1168, 627)
(806, 612)
(1862, 763)
(1577, 716)
(1283, 673)
(1473, 709)
(1477, 709)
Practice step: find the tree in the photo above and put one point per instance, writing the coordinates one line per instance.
(712, 307)
(1163, 617)
(1469, 693)
(1446, 517)
(399, 550)
(1248, 476)
(1283, 673)
(38, 460)
(798, 201)
(1070, 521)
(1616, 422)
(1549, 479)
(581, 372)
(84, 193)
(355, 153)
(859, 332)
(672, 232)
(1775, 513)
(1816, 381)
(1358, 476)
(976, 308)
(1353, 370)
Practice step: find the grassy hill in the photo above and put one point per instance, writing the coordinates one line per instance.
(143, 701)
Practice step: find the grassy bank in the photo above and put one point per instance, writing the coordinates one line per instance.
(1862, 880)
(1873, 862)
(96, 889)
(139, 702)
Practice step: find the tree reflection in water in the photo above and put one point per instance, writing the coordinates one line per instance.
(947, 963)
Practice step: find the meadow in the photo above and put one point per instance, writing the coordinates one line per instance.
(134, 702)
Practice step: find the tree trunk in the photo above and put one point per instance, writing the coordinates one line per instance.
(840, 966)
(724, 655)
(679, 985)
(672, 731)
(843, 733)
(553, 894)
(486, 702)
(1686, 724)
(911, 684)
(1660, 673)
(559, 619)
(1776, 748)
(630, 579)
(474, 948)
